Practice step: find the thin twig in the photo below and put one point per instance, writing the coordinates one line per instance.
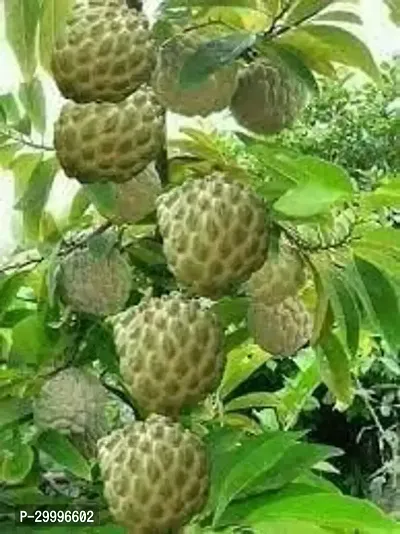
(283, 29)
(278, 17)
(27, 142)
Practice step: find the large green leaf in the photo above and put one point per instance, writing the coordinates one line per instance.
(21, 18)
(9, 287)
(30, 341)
(287, 527)
(16, 459)
(22, 168)
(9, 106)
(394, 10)
(231, 310)
(339, 15)
(60, 448)
(259, 399)
(381, 247)
(7, 153)
(12, 409)
(384, 300)
(33, 98)
(387, 194)
(102, 195)
(321, 185)
(53, 17)
(213, 55)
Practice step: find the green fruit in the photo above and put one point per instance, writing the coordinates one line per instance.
(100, 286)
(281, 329)
(98, 142)
(214, 231)
(268, 97)
(104, 53)
(214, 94)
(170, 352)
(156, 475)
(135, 199)
(279, 277)
(73, 402)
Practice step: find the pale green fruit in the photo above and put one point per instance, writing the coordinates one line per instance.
(170, 351)
(156, 475)
(104, 53)
(281, 329)
(268, 97)
(214, 233)
(73, 402)
(214, 94)
(104, 141)
(280, 277)
(100, 286)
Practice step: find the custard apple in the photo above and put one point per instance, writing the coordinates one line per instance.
(72, 402)
(135, 199)
(214, 231)
(268, 97)
(155, 473)
(214, 94)
(281, 329)
(104, 141)
(104, 54)
(170, 352)
(100, 286)
(279, 277)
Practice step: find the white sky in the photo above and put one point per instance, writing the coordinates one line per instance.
(378, 32)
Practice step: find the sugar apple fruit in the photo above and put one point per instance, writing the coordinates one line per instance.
(105, 141)
(73, 402)
(104, 54)
(279, 277)
(170, 352)
(214, 232)
(268, 97)
(135, 199)
(281, 329)
(100, 286)
(156, 475)
(212, 95)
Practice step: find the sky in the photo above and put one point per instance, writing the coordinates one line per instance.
(382, 37)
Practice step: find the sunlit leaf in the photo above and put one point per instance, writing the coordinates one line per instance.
(15, 461)
(10, 107)
(340, 16)
(253, 400)
(394, 10)
(33, 98)
(13, 409)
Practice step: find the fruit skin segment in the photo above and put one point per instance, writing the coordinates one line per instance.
(281, 329)
(170, 351)
(279, 277)
(99, 142)
(156, 475)
(99, 286)
(214, 233)
(268, 97)
(213, 95)
(104, 54)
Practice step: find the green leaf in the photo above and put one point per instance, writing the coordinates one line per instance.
(53, 16)
(33, 98)
(12, 409)
(231, 310)
(9, 288)
(102, 195)
(10, 107)
(21, 18)
(383, 299)
(304, 9)
(345, 48)
(22, 168)
(213, 55)
(340, 16)
(388, 194)
(30, 342)
(321, 185)
(253, 400)
(287, 527)
(394, 10)
(7, 153)
(79, 205)
(60, 448)
(101, 245)
(242, 361)
(16, 460)
(336, 369)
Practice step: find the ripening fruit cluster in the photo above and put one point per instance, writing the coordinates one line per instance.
(215, 235)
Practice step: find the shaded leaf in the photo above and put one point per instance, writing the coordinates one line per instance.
(340, 16)
(102, 195)
(231, 310)
(33, 98)
(22, 168)
(7, 153)
(10, 107)
(30, 342)
(12, 409)
(79, 205)
(16, 461)
(53, 16)
(394, 11)
(304, 9)
(9, 288)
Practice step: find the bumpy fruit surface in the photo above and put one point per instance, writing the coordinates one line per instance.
(279, 277)
(135, 199)
(170, 352)
(104, 141)
(100, 286)
(214, 94)
(72, 402)
(281, 329)
(156, 475)
(104, 54)
(214, 232)
(268, 97)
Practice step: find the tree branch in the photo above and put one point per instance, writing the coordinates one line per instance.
(27, 142)
(277, 30)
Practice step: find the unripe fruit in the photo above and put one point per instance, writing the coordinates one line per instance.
(268, 97)
(104, 53)
(100, 286)
(214, 232)
(73, 403)
(134, 199)
(156, 475)
(214, 94)
(170, 352)
(281, 329)
(279, 277)
(98, 142)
